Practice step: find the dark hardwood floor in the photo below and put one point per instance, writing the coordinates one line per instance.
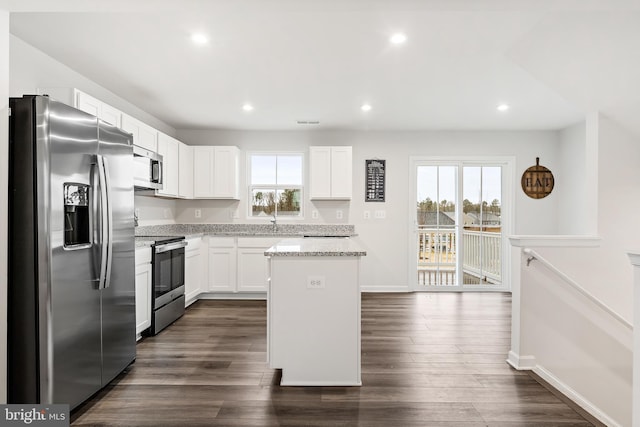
(428, 359)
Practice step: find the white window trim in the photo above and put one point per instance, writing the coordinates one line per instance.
(250, 187)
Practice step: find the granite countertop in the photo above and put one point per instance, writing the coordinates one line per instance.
(247, 230)
(305, 247)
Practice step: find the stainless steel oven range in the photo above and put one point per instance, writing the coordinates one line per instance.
(167, 304)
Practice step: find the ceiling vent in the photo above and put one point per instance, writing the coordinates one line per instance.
(308, 122)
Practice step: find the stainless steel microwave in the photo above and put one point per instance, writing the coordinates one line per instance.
(147, 169)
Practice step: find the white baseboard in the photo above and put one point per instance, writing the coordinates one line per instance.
(528, 363)
(576, 397)
(521, 363)
(374, 289)
(231, 295)
(320, 383)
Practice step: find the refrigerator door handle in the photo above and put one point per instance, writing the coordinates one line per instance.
(106, 222)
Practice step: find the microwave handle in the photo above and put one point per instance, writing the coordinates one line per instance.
(156, 171)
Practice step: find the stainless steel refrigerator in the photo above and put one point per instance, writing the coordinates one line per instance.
(71, 253)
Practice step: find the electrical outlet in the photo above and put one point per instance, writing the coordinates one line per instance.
(367, 214)
(167, 213)
(198, 213)
(233, 214)
(339, 214)
(315, 282)
(314, 214)
(380, 214)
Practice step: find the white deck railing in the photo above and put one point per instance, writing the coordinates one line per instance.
(438, 248)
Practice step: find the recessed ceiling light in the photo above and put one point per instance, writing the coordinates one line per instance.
(503, 107)
(247, 107)
(365, 107)
(398, 38)
(199, 38)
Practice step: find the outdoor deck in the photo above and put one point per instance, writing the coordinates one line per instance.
(438, 256)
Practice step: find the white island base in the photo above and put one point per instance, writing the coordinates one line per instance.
(314, 314)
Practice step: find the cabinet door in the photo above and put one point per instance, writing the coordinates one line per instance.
(111, 115)
(143, 297)
(202, 172)
(192, 275)
(169, 150)
(320, 172)
(222, 269)
(143, 136)
(148, 137)
(252, 270)
(88, 104)
(225, 173)
(341, 175)
(95, 107)
(185, 171)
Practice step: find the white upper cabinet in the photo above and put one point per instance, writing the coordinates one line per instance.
(169, 149)
(111, 115)
(216, 172)
(88, 103)
(84, 102)
(93, 106)
(143, 135)
(330, 173)
(202, 172)
(226, 172)
(185, 171)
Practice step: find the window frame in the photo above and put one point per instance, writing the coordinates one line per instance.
(275, 187)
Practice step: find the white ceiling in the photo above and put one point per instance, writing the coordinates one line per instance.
(551, 60)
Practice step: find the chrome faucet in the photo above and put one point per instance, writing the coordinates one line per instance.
(274, 221)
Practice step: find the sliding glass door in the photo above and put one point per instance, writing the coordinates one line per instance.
(457, 236)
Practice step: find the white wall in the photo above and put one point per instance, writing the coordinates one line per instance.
(386, 265)
(582, 351)
(570, 182)
(386, 241)
(606, 271)
(155, 211)
(31, 69)
(569, 337)
(4, 161)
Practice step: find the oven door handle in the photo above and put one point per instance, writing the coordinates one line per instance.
(170, 246)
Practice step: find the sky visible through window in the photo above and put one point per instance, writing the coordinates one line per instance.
(445, 188)
(276, 170)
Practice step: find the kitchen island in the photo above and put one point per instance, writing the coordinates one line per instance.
(314, 311)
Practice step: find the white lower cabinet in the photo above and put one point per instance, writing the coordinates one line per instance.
(253, 266)
(222, 264)
(193, 270)
(143, 289)
(238, 264)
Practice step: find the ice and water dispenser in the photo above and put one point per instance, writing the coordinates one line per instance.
(77, 229)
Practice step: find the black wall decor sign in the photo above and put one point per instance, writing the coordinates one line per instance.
(375, 180)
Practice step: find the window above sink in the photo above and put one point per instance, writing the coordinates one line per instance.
(276, 185)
